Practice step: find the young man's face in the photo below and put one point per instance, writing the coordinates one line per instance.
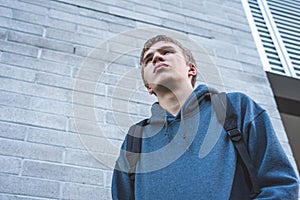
(164, 65)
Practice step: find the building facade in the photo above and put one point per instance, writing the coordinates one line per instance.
(70, 82)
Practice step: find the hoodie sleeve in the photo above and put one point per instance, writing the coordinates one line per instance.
(121, 182)
(277, 178)
(121, 186)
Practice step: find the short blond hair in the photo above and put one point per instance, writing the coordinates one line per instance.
(189, 58)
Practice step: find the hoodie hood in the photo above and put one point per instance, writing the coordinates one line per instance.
(191, 105)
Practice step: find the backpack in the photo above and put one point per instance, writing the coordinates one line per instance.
(227, 116)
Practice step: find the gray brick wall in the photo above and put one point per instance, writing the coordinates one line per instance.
(59, 116)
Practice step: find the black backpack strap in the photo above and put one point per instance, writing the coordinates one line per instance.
(132, 159)
(227, 116)
(133, 150)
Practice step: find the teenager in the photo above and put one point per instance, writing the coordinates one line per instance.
(162, 157)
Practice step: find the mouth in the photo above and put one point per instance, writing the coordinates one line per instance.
(159, 66)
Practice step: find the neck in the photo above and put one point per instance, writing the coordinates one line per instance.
(173, 100)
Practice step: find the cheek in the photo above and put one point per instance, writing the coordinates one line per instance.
(147, 74)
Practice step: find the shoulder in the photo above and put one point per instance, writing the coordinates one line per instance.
(245, 105)
(135, 130)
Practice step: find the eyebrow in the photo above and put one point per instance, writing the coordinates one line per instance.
(163, 48)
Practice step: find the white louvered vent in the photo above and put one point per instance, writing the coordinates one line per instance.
(277, 32)
(265, 37)
(286, 16)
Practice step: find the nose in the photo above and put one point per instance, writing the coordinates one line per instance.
(157, 57)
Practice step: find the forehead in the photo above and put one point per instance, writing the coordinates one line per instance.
(160, 45)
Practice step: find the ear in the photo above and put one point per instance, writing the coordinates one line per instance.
(192, 70)
(150, 90)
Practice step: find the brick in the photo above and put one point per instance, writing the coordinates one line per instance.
(260, 88)
(240, 75)
(40, 42)
(196, 7)
(242, 19)
(227, 51)
(273, 112)
(113, 79)
(55, 5)
(96, 57)
(43, 20)
(102, 102)
(29, 17)
(14, 100)
(60, 172)
(151, 11)
(84, 101)
(249, 59)
(121, 119)
(31, 150)
(83, 158)
(36, 64)
(174, 8)
(21, 87)
(13, 131)
(120, 105)
(17, 73)
(112, 132)
(60, 57)
(28, 186)
(97, 114)
(10, 165)
(212, 26)
(83, 191)
(5, 12)
(24, 6)
(177, 3)
(134, 15)
(75, 38)
(78, 19)
(18, 48)
(54, 137)
(89, 4)
(87, 88)
(21, 26)
(242, 38)
(129, 5)
(149, 3)
(3, 33)
(82, 126)
(50, 106)
(118, 28)
(90, 31)
(234, 8)
(55, 80)
(277, 124)
(106, 18)
(243, 34)
(248, 51)
(262, 99)
(33, 118)
(108, 179)
(135, 96)
(17, 197)
(103, 150)
(226, 63)
(287, 148)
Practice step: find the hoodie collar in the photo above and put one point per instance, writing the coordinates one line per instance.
(191, 105)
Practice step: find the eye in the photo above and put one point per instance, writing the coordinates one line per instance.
(166, 51)
(147, 60)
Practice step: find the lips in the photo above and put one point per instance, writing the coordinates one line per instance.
(158, 66)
